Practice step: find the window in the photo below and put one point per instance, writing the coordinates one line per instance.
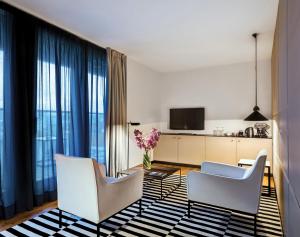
(70, 104)
(96, 85)
(47, 119)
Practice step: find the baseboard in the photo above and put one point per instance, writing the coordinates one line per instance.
(186, 165)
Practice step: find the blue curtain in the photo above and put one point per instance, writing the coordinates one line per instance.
(52, 100)
(71, 97)
(97, 93)
(17, 44)
(7, 185)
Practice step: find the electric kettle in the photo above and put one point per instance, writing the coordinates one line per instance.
(249, 132)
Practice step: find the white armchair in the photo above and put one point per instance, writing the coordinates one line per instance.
(226, 186)
(84, 190)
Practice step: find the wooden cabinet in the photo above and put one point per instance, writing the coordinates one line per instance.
(221, 149)
(191, 149)
(180, 149)
(166, 149)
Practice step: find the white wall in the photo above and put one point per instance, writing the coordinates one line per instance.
(227, 93)
(143, 103)
(143, 93)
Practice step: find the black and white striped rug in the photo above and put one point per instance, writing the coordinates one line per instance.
(167, 217)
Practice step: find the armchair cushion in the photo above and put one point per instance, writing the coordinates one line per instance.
(111, 180)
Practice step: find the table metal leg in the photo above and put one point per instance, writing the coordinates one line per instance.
(180, 178)
(140, 207)
(189, 209)
(161, 188)
(60, 218)
(255, 224)
(269, 180)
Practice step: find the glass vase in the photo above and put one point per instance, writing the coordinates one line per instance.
(147, 161)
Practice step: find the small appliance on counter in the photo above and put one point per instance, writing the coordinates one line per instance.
(261, 130)
(240, 133)
(219, 131)
(249, 132)
(227, 134)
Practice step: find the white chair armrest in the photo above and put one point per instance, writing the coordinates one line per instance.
(120, 193)
(130, 177)
(223, 170)
(131, 184)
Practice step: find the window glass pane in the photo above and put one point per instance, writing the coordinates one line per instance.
(66, 107)
(46, 119)
(96, 110)
(46, 136)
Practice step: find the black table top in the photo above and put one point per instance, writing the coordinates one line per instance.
(160, 172)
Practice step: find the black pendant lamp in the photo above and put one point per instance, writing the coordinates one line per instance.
(256, 115)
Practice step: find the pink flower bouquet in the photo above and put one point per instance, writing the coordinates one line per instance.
(147, 143)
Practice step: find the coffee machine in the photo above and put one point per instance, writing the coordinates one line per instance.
(261, 130)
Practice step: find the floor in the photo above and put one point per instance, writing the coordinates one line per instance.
(160, 217)
(5, 224)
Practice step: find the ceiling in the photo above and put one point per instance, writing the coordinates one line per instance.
(167, 35)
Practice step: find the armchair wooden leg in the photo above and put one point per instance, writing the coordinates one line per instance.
(60, 218)
(189, 209)
(255, 222)
(98, 229)
(140, 209)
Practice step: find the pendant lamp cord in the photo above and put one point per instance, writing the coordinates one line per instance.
(255, 36)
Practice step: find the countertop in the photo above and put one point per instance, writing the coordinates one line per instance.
(209, 135)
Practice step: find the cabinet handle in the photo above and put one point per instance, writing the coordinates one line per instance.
(232, 140)
(239, 141)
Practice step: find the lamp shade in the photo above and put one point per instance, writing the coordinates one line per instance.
(256, 115)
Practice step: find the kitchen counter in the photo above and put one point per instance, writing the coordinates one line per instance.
(208, 135)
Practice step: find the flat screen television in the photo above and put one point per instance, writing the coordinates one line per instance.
(187, 118)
